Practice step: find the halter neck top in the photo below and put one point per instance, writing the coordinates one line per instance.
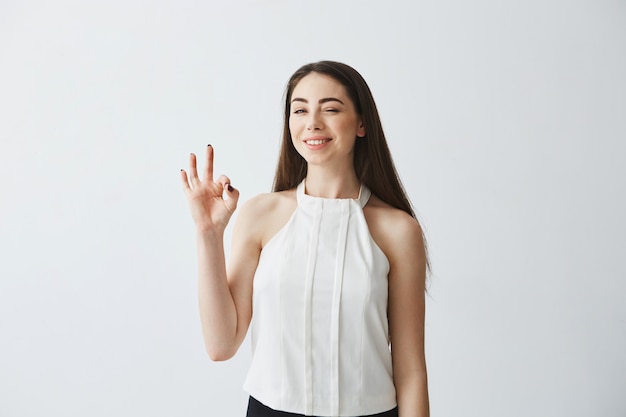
(319, 331)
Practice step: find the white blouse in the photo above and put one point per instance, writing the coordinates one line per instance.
(320, 336)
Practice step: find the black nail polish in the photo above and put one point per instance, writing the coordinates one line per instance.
(230, 188)
(208, 145)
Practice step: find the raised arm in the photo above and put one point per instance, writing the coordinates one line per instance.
(225, 299)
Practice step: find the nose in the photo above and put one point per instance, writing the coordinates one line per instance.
(314, 121)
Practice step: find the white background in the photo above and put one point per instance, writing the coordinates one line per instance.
(507, 121)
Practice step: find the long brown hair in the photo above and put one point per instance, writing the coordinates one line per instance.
(372, 160)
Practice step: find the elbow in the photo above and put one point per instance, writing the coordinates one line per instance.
(219, 354)
(221, 348)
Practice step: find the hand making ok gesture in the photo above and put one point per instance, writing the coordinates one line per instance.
(212, 203)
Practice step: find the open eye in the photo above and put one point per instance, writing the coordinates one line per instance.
(299, 111)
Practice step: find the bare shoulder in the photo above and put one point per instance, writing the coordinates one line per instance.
(396, 232)
(263, 215)
(267, 202)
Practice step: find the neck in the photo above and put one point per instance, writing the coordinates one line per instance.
(325, 184)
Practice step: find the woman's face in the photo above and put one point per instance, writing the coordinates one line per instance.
(323, 121)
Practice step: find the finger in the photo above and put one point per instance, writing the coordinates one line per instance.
(208, 168)
(232, 195)
(230, 192)
(185, 180)
(193, 170)
(223, 181)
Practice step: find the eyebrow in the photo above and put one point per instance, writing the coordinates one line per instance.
(321, 101)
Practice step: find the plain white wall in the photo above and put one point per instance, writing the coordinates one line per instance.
(507, 121)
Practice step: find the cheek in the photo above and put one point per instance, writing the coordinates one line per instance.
(293, 133)
(293, 127)
(349, 127)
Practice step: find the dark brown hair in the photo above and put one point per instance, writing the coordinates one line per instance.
(372, 159)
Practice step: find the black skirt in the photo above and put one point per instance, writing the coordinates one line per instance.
(256, 409)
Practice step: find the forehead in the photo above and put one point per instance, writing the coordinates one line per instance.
(316, 85)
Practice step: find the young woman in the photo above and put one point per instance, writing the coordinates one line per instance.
(329, 268)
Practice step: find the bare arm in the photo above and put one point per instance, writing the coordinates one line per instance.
(225, 299)
(406, 317)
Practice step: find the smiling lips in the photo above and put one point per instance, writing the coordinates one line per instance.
(316, 142)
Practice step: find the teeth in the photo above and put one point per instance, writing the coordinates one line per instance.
(316, 141)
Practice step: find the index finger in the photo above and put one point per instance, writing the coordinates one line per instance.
(208, 166)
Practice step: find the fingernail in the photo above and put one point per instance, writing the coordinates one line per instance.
(208, 145)
(230, 188)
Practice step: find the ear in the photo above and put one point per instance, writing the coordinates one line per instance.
(361, 130)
